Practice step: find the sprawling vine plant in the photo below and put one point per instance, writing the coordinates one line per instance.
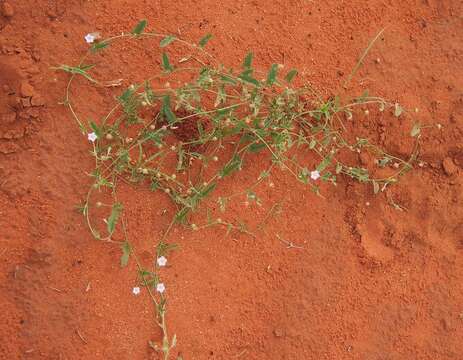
(184, 140)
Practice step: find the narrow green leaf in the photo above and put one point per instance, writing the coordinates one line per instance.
(290, 75)
(233, 165)
(99, 46)
(166, 63)
(256, 147)
(272, 74)
(167, 40)
(82, 70)
(247, 63)
(154, 185)
(163, 249)
(322, 166)
(96, 129)
(167, 111)
(303, 175)
(200, 128)
(384, 161)
(86, 67)
(228, 79)
(204, 40)
(180, 216)
(221, 96)
(248, 78)
(207, 190)
(338, 168)
(126, 251)
(312, 144)
(140, 27)
(180, 159)
(114, 217)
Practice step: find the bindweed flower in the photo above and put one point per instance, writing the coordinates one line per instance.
(91, 37)
(160, 288)
(136, 290)
(314, 175)
(92, 137)
(162, 261)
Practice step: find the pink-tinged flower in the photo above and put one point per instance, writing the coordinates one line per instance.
(162, 261)
(136, 290)
(160, 288)
(92, 137)
(314, 175)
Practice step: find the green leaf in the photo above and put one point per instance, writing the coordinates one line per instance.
(338, 168)
(167, 111)
(166, 63)
(207, 190)
(82, 70)
(99, 46)
(167, 40)
(180, 216)
(384, 161)
(112, 220)
(416, 130)
(221, 96)
(154, 185)
(140, 27)
(290, 75)
(247, 63)
(312, 144)
(163, 249)
(228, 79)
(322, 166)
(96, 129)
(303, 175)
(126, 251)
(204, 40)
(245, 76)
(233, 165)
(180, 159)
(272, 74)
(263, 175)
(256, 147)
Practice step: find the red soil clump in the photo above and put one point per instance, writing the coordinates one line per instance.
(373, 276)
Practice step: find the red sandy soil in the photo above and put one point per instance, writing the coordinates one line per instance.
(370, 282)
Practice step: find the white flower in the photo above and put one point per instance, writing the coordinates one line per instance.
(314, 175)
(90, 38)
(136, 290)
(160, 288)
(92, 137)
(162, 261)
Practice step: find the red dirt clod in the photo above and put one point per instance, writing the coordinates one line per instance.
(449, 166)
(37, 100)
(7, 10)
(26, 90)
